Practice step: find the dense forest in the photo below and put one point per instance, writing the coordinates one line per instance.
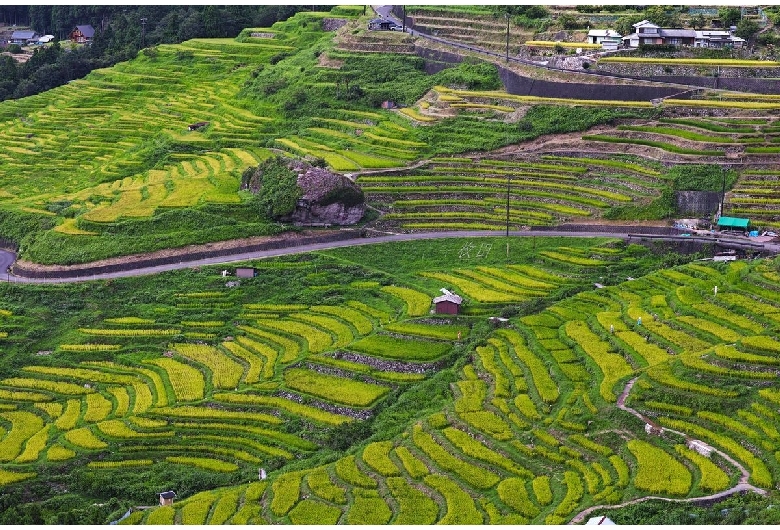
(120, 32)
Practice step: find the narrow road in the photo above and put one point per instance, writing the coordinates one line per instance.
(742, 484)
(7, 258)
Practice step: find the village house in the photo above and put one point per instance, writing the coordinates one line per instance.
(380, 23)
(608, 38)
(647, 33)
(23, 38)
(448, 303)
(82, 34)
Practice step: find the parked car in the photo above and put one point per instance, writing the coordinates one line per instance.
(396, 27)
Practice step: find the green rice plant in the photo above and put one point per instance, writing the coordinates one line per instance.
(24, 425)
(368, 508)
(733, 425)
(438, 331)
(143, 398)
(526, 406)
(255, 362)
(679, 338)
(311, 512)
(760, 422)
(668, 407)
(541, 488)
(161, 394)
(734, 319)
(413, 465)
(269, 354)
(603, 473)
(202, 323)
(54, 410)
(209, 464)
(511, 364)
(98, 408)
(650, 352)
(546, 437)
(98, 376)
(187, 382)
(286, 490)
(196, 509)
(34, 446)
(225, 372)
(486, 356)
(710, 327)
(21, 395)
(460, 506)
(731, 353)
(591, 478)
(85, 439)
(651, 143)
(413, 114)
(475, 476)
(130, 332)
(612, 366)
(513, 493)
(134, 518)
(342, 332)
(297, 409)
(122, 399)
(9, 477)
(321, 485)
(214, 414)
(403, 349)
(658, 471)
(760, 343)
(110, 464)
(317, 340)
(376, 456)
(414, 506)
(163, 515)
(356, 318)
(478, 290)
(695, 362)
(663, 374)
(288, 440)
(473, 448)
(333, 388)
(68, 389)
(134, 321)
(682, 133)
(58, 453)
(574, 492)
(712, 477)
(573, 260)
(417, 303)
(545, 386)
(89, 347)
(118, 429)
(622, 470)
(721, 104)
(71, 415)
(590, 445)
(347, 470)
(635, 168)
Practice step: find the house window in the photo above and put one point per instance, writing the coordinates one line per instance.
(675, 40)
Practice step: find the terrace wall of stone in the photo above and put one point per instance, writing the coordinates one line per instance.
(609, 229)
(36, 271)
(742, 84)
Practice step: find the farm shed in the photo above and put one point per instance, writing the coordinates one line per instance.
(245, 272)
(166, 498)
(448, 303)
(733, 223)
(23, 38)
(600, 519)
(82, 34)
(380, 23)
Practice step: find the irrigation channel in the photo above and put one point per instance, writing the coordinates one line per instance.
(741, 486)
(7, 258)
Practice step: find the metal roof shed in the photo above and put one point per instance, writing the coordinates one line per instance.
(733, 222)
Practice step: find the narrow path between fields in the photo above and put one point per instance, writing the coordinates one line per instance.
(742, 483)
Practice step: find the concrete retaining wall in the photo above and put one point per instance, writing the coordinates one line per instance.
(89, 270)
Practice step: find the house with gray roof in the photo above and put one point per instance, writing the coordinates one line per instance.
(23, 38)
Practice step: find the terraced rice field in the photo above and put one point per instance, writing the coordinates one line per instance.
(527, 435)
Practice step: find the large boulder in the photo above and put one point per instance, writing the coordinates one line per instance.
(327, 198)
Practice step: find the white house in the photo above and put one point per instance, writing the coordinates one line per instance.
(597, 36)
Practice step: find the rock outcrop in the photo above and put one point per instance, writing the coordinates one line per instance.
(328, 198)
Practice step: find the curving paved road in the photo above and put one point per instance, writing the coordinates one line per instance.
(7, 258)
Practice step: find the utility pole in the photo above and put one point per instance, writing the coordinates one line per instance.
(404, 20)
(507, 37)
(507, 207)
(723, 192)
(143, 32)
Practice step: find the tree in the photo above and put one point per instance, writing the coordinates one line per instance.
(664, 16)
(279, 191)
(624, 25)
(698, 21)
(729, 16)
(746, 28)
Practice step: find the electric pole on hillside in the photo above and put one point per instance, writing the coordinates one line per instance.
(404, 20)
(143, 33)
(507, 37)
